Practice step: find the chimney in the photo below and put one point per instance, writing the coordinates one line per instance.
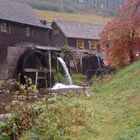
(44, 22)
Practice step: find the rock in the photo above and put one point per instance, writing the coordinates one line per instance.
(2, 118)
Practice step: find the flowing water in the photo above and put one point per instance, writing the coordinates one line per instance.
(63, 86)
(66, 70)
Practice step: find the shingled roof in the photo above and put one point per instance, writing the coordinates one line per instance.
(72, 29)
(20, 13)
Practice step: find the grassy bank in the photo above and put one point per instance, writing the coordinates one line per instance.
(116, 106)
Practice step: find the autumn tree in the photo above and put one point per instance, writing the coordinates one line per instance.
(122, 34)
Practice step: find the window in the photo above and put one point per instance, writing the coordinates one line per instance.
(5, 28)
(55, 32)
(29, 32)
(80, 44)
(93, 45)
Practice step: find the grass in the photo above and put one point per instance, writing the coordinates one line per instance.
(93, 19)
(116, 106)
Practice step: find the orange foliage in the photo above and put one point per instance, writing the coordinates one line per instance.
(122, 34)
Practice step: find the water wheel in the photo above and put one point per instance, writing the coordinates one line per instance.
(34, 59)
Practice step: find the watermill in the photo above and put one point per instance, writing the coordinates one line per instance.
(38, 65)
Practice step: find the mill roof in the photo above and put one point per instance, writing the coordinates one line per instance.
(72, 29)
(11, 10)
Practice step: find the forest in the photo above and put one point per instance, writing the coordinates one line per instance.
(102, 7)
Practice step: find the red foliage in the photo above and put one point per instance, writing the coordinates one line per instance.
(123, 34)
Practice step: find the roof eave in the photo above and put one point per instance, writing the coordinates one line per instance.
(9, 20)
(95, 38)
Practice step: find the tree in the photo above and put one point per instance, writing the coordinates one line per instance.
(122, 34)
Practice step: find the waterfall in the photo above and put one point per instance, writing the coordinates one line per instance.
(66, 70)
(60, 86)
(99, 63)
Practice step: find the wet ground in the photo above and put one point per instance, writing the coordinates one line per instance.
(5, 99)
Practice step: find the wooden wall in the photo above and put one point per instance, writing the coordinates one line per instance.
(57, 40)
(18, 35)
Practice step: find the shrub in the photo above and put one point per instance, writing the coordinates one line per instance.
(59, 119)
(52, 117)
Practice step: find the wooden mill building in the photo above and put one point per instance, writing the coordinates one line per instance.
(18, 25)
(82, 38)
(77, 35)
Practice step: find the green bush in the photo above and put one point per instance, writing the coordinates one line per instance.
(78, 79)
(50, 118)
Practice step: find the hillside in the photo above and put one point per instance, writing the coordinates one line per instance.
(50, 16)
(117, 103)
(100, 7)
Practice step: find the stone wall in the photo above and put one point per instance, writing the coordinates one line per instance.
(3, 63)
(13, 55)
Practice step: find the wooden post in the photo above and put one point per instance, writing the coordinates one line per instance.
(50, 66)
(36, 78)
(74, 63)
(81, 63)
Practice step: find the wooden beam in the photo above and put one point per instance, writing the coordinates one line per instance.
(50, 66)
(81, 62)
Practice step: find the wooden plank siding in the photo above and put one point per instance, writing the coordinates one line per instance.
(17, 35)
(57, 40)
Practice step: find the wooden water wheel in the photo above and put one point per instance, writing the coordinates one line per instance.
(34, 59)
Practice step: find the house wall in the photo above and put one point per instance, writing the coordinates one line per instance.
(72, 42)
(18, 35)
(9, 57)
(58, 40)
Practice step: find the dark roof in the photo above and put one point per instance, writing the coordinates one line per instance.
(72, 29)
(20, 13)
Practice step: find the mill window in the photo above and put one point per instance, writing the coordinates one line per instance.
(80, 44)
(29, 32)
(5, 28)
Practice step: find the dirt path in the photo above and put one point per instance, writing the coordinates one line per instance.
(5, 99)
